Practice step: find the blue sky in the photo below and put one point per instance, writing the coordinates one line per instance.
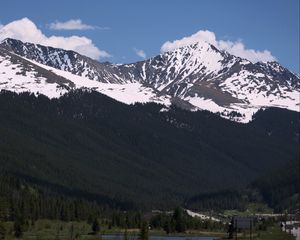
(144, 26)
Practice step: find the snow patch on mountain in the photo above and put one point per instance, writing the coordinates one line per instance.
(201, 216)
(253, 89)
(195, 77)
(128, 93)
(13, 78)
(238, 112)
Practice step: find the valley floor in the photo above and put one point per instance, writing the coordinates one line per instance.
(52, 229)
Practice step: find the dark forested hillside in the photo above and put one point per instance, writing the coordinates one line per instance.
(87, 144)
(280, 187)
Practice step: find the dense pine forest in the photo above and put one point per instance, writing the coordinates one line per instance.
(86, 157)
(24, 204)
(87, 145)
(280, 188)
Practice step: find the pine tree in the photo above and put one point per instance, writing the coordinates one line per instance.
(95, 226)
(125, 234)
(144, 231)
(2, 231)
(167, 227)
(18, 229)
(180, 223)
(230, 230)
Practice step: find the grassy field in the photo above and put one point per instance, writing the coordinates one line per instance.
(252, 208)
(58, 230)
(272, 233)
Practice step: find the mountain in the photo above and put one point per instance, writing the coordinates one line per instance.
(18, 75)
(85, 143)
(198, 76)
(71, 138)
(21, 74)
(69, 61)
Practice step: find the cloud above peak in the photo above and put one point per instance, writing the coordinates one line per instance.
(74, 24)
(236, 48)
(26, 30)
(139, 52)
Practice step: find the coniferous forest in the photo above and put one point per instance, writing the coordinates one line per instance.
(85, 156)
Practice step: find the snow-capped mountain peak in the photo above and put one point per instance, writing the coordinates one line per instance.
(65, 60)
(198, 76)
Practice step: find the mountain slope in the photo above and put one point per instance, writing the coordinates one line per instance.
(280, 187)
(87, 142)
(217, 81)
(69, 61)
(198, 76)
(19, 74)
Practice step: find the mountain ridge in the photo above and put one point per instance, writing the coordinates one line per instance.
(199, 76)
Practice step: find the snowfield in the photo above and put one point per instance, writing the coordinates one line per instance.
(11, 79)
(129, 93)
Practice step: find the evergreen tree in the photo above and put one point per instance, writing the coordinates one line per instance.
(180, 223)
(125, 234)
(18, 228)
(230, 230)
(167, 227)
(95, 226)
(144, 231)
(2, 231)
(90, 219)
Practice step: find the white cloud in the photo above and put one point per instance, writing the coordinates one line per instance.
(236, 48)
(140, 53)
(73, 24)
(25, 30)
